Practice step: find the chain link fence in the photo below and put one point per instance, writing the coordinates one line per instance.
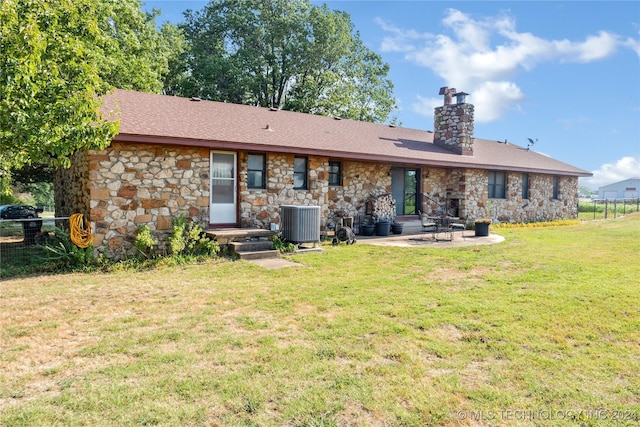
(23, 242)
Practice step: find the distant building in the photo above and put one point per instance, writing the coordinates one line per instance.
(627, 189)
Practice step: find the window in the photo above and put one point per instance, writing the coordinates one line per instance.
(497, 186)
(525, 186)
(556, 184)
(255, 171)
(335, 173)
(300, 173)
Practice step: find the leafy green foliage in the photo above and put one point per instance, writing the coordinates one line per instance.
(136, 54)
(187, 238)
(62, 252)
(50, 80)
(281, 245)
(144, 241)
(287, 54)
(8, 199)
(56, 60)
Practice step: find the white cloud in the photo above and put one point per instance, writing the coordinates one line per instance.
(466, 58)
(400, 40)
(633, 45)
(424, 106)
(493, 99)
(609, 173)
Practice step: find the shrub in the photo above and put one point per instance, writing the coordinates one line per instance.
(187, 238)
(63, 252)
(281, 245)
(145, 242)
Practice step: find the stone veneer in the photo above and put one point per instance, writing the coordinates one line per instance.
(453, 128)
(129, 185)
(360, 181)
(71, 185)
(470, 188)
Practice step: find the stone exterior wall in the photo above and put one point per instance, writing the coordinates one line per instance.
(129, 185)
(442, 189)
(133, 185)
(261, 207)
(71, 187)
(361, 182)
(540, 206)
(453, 128)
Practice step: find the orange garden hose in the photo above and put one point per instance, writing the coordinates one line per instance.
(80, 233)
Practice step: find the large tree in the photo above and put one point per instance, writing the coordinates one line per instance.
(56, 59)
(282, 53)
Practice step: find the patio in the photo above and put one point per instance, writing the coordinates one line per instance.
(461, 238)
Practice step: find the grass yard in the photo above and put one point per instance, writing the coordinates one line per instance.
(542, 329)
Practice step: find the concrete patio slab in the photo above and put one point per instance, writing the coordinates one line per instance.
(419, 240)
(466, 238)
(275, 263)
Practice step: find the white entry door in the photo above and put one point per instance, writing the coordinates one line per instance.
(223, 188)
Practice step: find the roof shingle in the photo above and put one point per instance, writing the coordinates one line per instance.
(174, 120)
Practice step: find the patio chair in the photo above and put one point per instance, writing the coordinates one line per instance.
(428, 224)
(456, 226)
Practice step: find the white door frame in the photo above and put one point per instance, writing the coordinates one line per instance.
(223, 202)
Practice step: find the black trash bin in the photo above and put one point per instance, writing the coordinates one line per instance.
(31, 229)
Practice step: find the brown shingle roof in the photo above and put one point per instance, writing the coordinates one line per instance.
(174, 120)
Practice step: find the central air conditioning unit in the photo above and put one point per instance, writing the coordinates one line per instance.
(300, 224)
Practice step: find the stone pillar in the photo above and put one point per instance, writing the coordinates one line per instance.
(71, 194)
(453, 128)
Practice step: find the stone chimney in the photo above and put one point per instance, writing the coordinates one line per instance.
(453, 123)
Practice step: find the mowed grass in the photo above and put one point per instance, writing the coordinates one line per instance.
(542, 329)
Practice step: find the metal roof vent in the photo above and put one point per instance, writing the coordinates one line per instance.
(196, 99)
(461, 97)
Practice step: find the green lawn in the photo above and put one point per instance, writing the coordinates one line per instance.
(542, 329)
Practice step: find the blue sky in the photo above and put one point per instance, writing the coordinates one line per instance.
(564, 73)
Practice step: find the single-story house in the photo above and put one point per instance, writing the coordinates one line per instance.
(228, 165)
(627, 189)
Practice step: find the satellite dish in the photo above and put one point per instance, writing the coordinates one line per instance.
(531, 142)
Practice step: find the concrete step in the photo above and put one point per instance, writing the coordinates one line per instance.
(253, 255)
(411, 226)
(254, 249)
(251, 246)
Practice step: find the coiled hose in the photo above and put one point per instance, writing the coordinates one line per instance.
(80, 231)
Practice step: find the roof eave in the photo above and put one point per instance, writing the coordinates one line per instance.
(248, 146)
